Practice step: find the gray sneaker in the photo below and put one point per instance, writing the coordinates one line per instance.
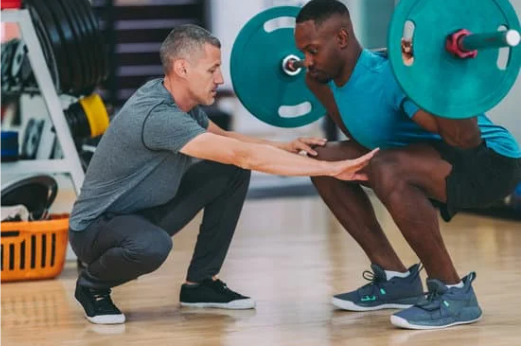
(444, 307)
(380, 293)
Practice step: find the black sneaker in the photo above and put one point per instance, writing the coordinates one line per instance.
(98, 306)
(213, 294)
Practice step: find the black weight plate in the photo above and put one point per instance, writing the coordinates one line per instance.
(69, 43)
(50, 29)
(37, 193)
(8, 52)
(81, 50)
(31, 141)
(82, 39)
(21, 68)
(99, 44)
(53, 23)
(46, 45)
(90, 42)
(91, 33)
(17, 60)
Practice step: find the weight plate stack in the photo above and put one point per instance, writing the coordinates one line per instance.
(72, 43)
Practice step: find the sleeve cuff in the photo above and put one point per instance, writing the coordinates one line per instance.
(409, 107)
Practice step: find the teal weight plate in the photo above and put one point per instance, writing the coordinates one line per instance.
(257, 76)
(437, 81)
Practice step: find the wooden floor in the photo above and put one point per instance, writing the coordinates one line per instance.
(291, 256)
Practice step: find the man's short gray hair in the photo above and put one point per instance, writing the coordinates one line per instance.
(182, 42)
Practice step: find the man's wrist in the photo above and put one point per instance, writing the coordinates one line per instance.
(331, 168)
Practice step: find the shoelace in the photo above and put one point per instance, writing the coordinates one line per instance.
(221, 286)
(433, 295)
(374, 283)
(102, 300)
(376, 280)
(432, 301)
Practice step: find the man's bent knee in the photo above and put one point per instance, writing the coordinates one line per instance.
(385, 174)
(151, 253)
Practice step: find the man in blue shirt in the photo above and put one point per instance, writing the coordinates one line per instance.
(456, 164)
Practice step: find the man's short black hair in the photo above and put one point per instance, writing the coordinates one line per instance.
(321, 10)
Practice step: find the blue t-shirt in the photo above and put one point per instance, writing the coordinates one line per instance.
(377, 112)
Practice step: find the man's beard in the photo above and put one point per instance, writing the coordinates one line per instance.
(320, 77)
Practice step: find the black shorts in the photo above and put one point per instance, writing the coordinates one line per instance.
(479, 178)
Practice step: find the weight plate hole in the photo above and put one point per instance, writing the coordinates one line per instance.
(279, 23)
(407, 43)
(504, 53)
(295, 111)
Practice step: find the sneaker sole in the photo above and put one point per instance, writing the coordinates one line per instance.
(402, 323)
(350, 306)
(241, 304)
(103, 319)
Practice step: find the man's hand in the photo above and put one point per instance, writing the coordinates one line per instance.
(350, 169)
(407, 52)
(305, 144)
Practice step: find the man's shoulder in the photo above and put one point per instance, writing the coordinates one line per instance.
(151, 85)
(378, 79)
(376, 66)
(152, 91)
(150, 98)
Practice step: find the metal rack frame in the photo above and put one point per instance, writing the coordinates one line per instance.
(70, 163)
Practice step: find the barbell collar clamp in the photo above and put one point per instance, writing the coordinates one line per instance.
(465, 44)
(292, 65)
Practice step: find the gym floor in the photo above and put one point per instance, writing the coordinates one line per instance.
(291, 256)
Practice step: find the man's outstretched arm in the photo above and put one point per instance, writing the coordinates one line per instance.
(268, 159)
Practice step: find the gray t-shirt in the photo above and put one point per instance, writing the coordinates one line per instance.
(137, 163)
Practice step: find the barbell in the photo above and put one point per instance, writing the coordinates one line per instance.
(454, 71)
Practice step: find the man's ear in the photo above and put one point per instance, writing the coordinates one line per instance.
(180, 68)
(342, 38)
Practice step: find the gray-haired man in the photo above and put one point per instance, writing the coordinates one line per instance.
(143, 184)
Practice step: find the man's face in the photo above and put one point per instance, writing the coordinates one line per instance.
(204, 75)
(321, 49)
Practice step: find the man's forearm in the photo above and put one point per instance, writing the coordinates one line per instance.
(461, 133)
(248, 139)
(267, 159)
